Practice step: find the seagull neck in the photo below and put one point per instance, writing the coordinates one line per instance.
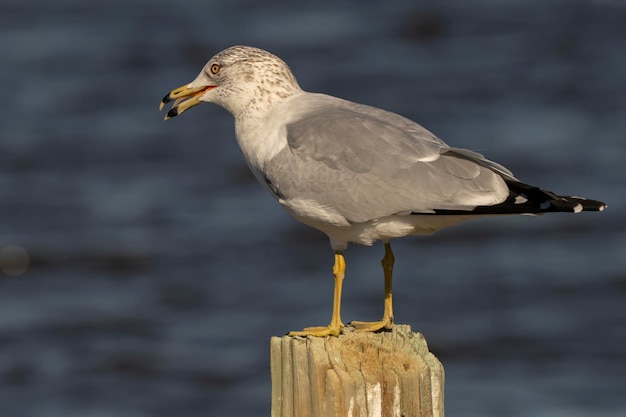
(251, 115)
(260, 133)
(258, 110)
(263, 102)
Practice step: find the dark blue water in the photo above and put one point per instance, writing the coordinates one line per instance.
(159, 269)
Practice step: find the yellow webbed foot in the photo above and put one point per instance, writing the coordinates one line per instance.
(372, 326)
(318, 331)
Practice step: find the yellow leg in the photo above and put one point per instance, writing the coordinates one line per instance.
(387, 321)
(335, 326)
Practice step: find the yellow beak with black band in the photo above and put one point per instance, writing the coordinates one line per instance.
(184, 98)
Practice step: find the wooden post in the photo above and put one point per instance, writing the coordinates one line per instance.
(387, 374)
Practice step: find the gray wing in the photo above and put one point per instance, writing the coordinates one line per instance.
(365, 163)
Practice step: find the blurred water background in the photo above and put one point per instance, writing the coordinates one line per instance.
(158, 269)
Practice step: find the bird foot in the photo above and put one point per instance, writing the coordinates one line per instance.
(318, 331)
(372, 326)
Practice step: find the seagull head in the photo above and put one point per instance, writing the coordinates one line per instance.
(242, 79)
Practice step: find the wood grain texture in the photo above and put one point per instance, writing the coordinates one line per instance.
(387, 374)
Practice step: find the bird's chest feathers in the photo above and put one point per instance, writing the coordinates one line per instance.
(260, 145)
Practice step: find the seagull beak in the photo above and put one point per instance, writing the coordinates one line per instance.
(184, 98)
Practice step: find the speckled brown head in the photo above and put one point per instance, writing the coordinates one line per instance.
(242, 79)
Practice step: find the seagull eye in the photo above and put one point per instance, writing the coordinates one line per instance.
(215, 68)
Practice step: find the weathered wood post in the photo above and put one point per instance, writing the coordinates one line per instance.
(387, 374)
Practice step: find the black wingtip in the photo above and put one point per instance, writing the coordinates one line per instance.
(528, 199)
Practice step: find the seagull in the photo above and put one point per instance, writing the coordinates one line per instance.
(355, 172)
